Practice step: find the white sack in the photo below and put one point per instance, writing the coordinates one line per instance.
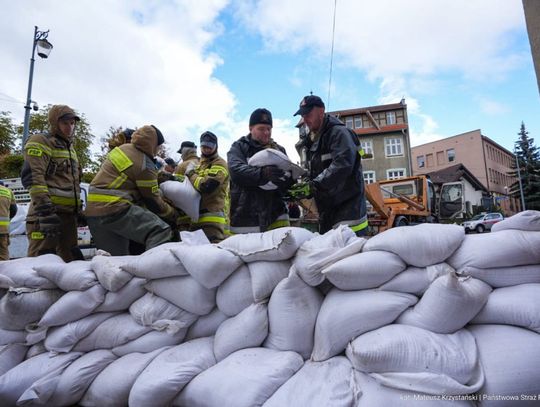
(324, 250)
(183, 196)
(184, 292)
(111, 387)
(235, 294)
(328, 383)
(246, 330)
(271, 156)
(64, 338)
(448, 304)
(124, 297)
(510, 358)
(195, 238)
(21, 273)
(246, 378)
(506, 248)
(156, 264)
(17, 224)
(346, 314)
(504, 276)
(74, 276)
(265, 275)
(151, 341)
(36, 349)
(292, 313)
(364, 270)
(20, 307)
(73, 306)
(11, 355)
(421, 245)
(526, 220)
(518, 305)
(272, 245)
(7, 336)
(35, 334)
(208, 264)
(108, 270)
(206, 325)
(112, 332)
(170, 371)
(416, 280)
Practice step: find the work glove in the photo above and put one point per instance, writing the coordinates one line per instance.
(165, 176)
(180, 177)
(190, 169)
(273, 174)
(302, 190)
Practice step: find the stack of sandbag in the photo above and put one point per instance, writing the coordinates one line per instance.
(282, 318)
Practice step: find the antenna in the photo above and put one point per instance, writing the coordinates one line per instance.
(332, 55)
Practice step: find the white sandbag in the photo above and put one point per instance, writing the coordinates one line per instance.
(246, 330)
(151, 341)
(20, 306)
(506, 248)
(11, 355)
(421, 245)
(206, 325)
(17, 224)
(448, 304)
(112, 332)
(109, 272)
(509, 356)
(246, 378)
(518, 305)
(364, 270)
(124, 297)
(271, 156)
(236, 293)
(35, 334)
(504, 276)
(328, 383)
(324, 250)
(158, 313)
(184, 292)
(64, 338)
(21, 273)
(7, 336)
(183, 196)
(195, 238)
(74, 276)
(112, 385)
(265, 276)
(156, 264)
(292, 313)
(170, 371)
(526, 220)
(273, 245)
(416, 280)
(73, 306)
(208, 264)
(346, 314)
(18, 379)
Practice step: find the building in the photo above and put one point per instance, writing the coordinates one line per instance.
(488, 161)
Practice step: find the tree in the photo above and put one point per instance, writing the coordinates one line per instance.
(8, 133)
(528, 159)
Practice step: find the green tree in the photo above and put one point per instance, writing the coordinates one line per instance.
(11, 165)
(8, 133)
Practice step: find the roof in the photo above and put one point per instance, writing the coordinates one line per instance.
(455, 173)
(378, 108)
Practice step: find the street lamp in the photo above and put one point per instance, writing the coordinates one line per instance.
(519, 180)
(44, 48)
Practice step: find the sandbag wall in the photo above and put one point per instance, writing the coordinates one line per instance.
(287, 317)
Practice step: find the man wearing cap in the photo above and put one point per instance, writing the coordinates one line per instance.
(8, 209)
(254, 209)
(188, 152)
(52, 174)
(335, 170)
(124, 201)
(211, 178)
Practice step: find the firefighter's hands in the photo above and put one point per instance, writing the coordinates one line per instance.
(273, 174)
(190, 169)
(165, 176)
(302, 190)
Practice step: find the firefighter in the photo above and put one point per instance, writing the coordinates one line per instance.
(51, 173)
(211, 178)
(124, 201)
(8, 209)
(120, 138)
(335, 171)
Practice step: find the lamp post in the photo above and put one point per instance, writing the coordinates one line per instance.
(519, 180)
(44, 48)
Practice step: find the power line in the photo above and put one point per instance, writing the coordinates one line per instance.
(332, 55)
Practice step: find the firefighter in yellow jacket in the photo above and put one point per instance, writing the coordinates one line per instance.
(211, 179)
(124, 201)
(51, 173)
(8, 209)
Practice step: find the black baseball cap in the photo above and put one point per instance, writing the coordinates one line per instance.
(188, 144)
(308, 103)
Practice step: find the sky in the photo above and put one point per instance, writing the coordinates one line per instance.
(188, 66)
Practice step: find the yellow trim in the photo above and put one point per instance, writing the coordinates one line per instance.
(119, 159)
(106, 198)
(38, 146)
(37, 236)
(62, 200)
(6, 192)
(279, 224)
(360, 226)
(211, 219)
(4, 222)
(146, 183)
(118, 181)
(38, 189)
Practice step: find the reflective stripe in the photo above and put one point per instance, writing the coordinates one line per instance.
(37, 236)
(38, 147)
(212, 217)
(197, 182)
(60, 200)
(355, 225)
(118, 181)
(146, 183)
(119, 159)
(112, 192)
(5, 192)
(38, 189)
(360, 226)
(106, 198)
(63, 193)
(4, 222)
(183, 219)
(326, 157)
(281, 221)
(215, 169)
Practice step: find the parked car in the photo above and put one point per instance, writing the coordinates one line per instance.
(482, 222)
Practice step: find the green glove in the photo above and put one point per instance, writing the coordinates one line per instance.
(179, 177)
(302, 190)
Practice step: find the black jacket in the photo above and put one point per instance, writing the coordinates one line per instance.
(251, 205)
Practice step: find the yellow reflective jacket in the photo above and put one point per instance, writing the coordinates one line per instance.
(190, 157)
(7, 199)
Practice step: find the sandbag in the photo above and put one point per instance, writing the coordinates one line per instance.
(20, 306)
(364, 270)
(526, 220)
(236, 293)
(346, 314)
(20, 272)
(8, 337)
(36, 349)
(157, 263)
(124, 297)
(108, 270)
(151, 341)
(271, 156)
(504, 276)
(416, 280)
(170, 371)
(206, 325)
(518, 305)
(292, 313)
(265, 276)
(448, 304)
(272, 245)
(11, 355)
(246, 378)
(183, 196)
(421, 245)
(74, 276)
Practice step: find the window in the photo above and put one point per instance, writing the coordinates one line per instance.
(367, 146)
(369, 177)
(429, 160)
(349, 122)
(395, 173)
(420, 161)
(390, 118)
(357, 122)
(440, 158)
(451, 154)
(393, 146)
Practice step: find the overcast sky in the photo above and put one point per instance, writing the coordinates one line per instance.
(195, 65)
